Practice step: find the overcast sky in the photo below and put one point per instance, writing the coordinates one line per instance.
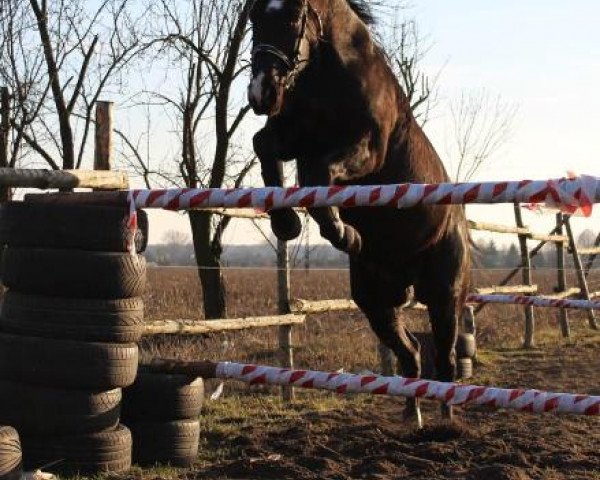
(542, 55)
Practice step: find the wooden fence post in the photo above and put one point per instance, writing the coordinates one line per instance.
(285, 331)
(529, 341)
(562, 278)
(592, 257)
(5, 192)
(514, 271)
(585, 292)
(103, 151)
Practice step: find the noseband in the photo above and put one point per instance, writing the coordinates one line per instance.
(292, 64)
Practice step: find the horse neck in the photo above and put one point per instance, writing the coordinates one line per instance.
(343, 29)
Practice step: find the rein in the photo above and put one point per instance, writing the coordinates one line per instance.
(292, 64)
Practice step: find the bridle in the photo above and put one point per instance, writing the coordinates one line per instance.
(292, 64)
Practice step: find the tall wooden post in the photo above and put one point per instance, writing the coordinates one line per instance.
(5, 192)
(585, 292)
(285, 331)
(562, 277)
(529, 341)
(103, 153)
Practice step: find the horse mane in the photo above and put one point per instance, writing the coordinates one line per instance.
(363, 9)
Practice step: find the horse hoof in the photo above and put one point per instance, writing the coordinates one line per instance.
(285, 224)
(413, 418)
(350, 242)
(353, 240)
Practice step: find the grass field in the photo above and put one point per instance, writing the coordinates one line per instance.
(249, 433)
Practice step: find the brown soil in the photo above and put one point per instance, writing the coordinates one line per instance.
(371, 441)
(364, 436)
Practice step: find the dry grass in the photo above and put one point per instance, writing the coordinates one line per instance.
(327, 341)
(242, 432)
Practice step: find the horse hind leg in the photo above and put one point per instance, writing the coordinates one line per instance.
(444, 326)
(392, 332)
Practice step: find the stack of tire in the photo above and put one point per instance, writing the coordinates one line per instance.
(465, 353)
(162, 412)
(69, 324)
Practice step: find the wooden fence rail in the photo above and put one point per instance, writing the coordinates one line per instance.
(201, 327)
(63, 179)
(507, 289)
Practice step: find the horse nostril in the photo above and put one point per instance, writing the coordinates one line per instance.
(269, 94)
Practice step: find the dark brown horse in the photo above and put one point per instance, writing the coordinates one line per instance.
(335, 106)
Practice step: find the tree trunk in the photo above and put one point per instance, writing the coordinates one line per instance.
(64, 123)
(209, 265)
(5, 192)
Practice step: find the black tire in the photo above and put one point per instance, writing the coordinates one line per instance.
(43, 411)
(170, 443)
(73, 273)
(67, 363)
(11, 466)
(78, 227)
(120, 320)
(156, 396)
(464, 368)
(465, 345)
(102, 452)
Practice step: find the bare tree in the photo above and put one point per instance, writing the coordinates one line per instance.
(176, 237)
(206, 40)
(587, 238)
(58, 58)
(481, 123)
(406, 49)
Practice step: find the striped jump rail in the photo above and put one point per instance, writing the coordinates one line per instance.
(571, 194)
(523, 400)
(541, 302)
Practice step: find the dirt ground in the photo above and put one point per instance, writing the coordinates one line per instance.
(249, 433)
(366, 438)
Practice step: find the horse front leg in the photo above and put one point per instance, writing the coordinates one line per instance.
(285, 223)
(342, 236)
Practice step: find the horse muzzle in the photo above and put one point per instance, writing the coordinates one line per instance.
(265, 94)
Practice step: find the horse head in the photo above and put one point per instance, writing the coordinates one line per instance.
(284, 35)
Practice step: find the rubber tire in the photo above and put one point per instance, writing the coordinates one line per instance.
(465, 345)
(464, 368)
(73, 273)
(11, 458)
(35, 410)
(102, 452)
(67, 364)
(120, 321)
(77, 227)
(156, 396)
(170, 443)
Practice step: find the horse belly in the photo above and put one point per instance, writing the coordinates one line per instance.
(394, 238)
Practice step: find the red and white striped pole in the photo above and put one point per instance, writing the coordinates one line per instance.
(570, 194)
(522, 400)
(535, 301)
